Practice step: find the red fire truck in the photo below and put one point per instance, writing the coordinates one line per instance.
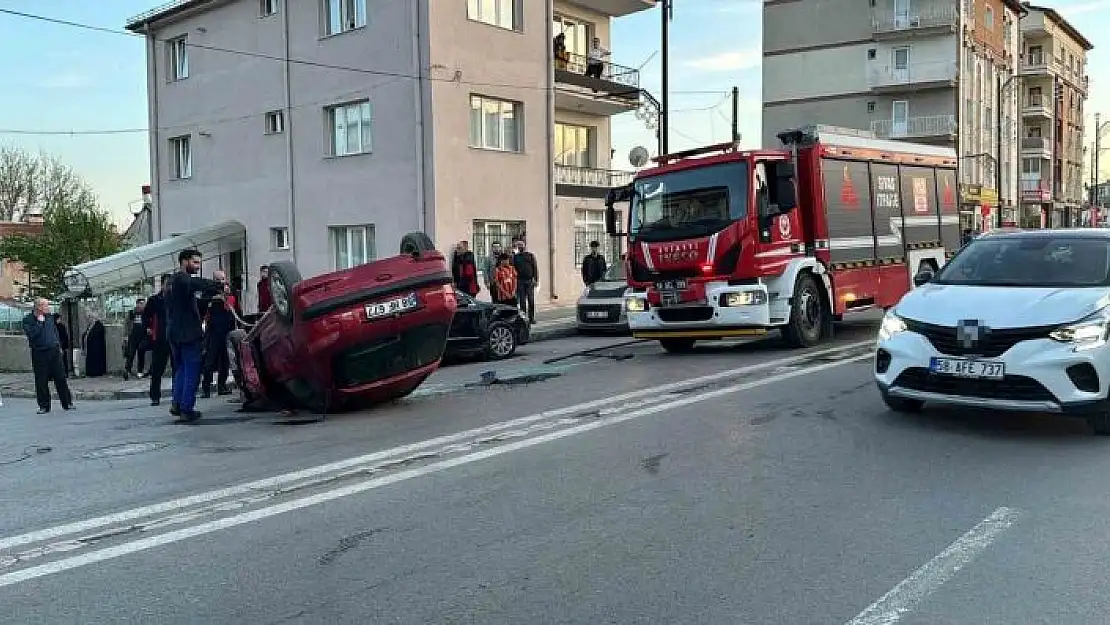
(725, 242)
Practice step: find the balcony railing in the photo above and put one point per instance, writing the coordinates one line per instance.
(610, 72)
(1036, 190)
(926, 126)
(591, 177)
(932, 16)
(913, 74)
(1035, 143)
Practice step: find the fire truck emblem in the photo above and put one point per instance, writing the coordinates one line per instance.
(848, 195)
(784, 226)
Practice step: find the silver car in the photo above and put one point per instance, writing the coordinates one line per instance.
(601, 306)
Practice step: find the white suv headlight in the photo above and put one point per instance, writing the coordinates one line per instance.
(892, 324)
(635, 304)
(1088, 333)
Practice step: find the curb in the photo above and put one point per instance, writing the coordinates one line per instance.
(557, 331)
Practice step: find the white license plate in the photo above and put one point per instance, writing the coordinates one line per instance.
(671, 285)
(392, 307)
(597, 314)
(967, 368)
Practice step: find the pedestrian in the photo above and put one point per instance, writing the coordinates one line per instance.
(220, 322)
(136, 343)
(154, 320)
(465, 270)
(46, 356)
(595, 59)
(95, 342)
(593, 265)
(67, 347)
(505, 282)
(489, 265)
(527, 275)
(265, 300)
(184, 330)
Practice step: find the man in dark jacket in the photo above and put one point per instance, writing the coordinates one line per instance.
(593, 265)
(154, 320)
(137, 344)
(527, 276)
(185, 333)
(221, 321)
(46, 356)
(265, 300)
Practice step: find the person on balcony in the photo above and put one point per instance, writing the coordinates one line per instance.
(559, 50)
(595, 60)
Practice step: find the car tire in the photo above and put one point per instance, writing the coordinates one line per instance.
(501, 341)
(808, 313)
(1100, 423)
(284, 276)
(677, 346)
(416, 243)
(902, 405)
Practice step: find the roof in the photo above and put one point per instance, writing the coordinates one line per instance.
(853, 138)
(1063, 24)
(159, 13)
(1086, 233)
(14, 227)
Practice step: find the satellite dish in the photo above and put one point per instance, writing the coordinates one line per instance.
(639, 156)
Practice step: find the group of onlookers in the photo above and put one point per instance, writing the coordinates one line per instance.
(511, 279)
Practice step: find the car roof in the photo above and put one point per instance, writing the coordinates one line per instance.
(1055, 233)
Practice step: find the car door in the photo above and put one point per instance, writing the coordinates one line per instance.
(467, 323)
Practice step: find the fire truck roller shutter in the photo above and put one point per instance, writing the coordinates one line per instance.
(848, 209)
(919, 207)
(886, 188)
(948, 205)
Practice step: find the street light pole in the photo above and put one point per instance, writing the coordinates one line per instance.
(998, 155)
(664, 113)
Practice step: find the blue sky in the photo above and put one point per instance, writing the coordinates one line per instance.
(59, 78)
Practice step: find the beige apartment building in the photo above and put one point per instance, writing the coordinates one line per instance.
(927, 71)
(1054, 89)
(330, 128)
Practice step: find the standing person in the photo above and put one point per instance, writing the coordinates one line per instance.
(136, 341)
(527, 275)
(46, 356)
(154, 320)
(595, 59)
(221, 321)
(67, 347)
(185, 333)
(593, 265)
(95, 343)
(465, 270)
(265, 300)
(489, 265)
(505, 281)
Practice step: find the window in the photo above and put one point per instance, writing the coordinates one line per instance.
(341, 16)
(589, 225)
(275, 122)
(573, 145)
(279, 239)
(488, 232)
(577, 34)
(495, 124)
(1035, 97)
(988, 19)
(500, 13)
(177, 59)
(351, 246)
(267, 7)
(349, 126)
(181, 158)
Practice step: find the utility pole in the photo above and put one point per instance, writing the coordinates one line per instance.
(735, 114)
(1098, 143)
(664, 114)
(998, 154)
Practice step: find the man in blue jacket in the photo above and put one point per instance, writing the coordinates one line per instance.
(46, 356)
(184, 330)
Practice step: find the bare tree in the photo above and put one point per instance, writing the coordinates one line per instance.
(19, 174)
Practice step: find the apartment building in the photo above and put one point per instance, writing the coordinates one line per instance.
(329, 128)
(927, 71)
(1054, 86)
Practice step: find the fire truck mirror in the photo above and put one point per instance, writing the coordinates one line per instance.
(782, 186)
(923, 276)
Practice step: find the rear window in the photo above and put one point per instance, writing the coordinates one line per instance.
(1032, 261)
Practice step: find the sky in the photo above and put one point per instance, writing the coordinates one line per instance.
(61, 79)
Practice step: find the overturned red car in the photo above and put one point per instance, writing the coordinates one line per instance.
(351, 338)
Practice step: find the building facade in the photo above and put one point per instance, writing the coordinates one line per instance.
(331, 128)
(1054, 91)
(926, 71)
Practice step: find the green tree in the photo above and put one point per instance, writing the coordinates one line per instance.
(75, 228)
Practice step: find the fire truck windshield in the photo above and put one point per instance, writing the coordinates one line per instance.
(690, 203)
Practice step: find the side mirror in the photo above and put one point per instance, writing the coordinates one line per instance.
(923, 276)
(783, 195)
(614, 195)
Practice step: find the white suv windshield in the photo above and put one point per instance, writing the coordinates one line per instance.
(1030, 261)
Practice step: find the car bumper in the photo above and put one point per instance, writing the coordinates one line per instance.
(589, 314)
(707, 319)
(1041, 376)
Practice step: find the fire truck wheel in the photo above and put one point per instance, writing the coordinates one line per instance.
(808, 313)
(677, 346)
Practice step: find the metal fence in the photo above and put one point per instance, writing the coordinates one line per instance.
(610, 246)
(485, 233)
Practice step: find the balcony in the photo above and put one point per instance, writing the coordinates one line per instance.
(930, 127)
(1036, 107)
(1036, 147)
(616, 8)
(928, 20)
(572, 181)
(914, 77)
(1036, 190)
(612, 91)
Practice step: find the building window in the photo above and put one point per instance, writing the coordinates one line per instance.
(988, 18)
(573, 146)
(495, 124)
(578, 34)
(275, 122)
(349, 127)
(341, 16)
(488, 232)
(589, 225)
(500, 13)
(351, 246)
(279, 239)
(267, 7)
(177, 59)
(181, 158)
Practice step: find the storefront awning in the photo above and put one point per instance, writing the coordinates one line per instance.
(129, 267)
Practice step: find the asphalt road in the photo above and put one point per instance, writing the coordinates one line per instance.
(744, 483)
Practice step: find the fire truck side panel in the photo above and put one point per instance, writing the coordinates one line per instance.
(851, 239)
(922, 223)
(890, 255)
(948, 206)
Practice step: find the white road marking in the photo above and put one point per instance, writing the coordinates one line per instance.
(144, 544)
(892, 606)
(341, 465)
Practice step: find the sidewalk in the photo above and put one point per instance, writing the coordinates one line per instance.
(550, 324)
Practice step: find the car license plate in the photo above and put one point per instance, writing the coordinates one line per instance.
(671, 285)
(967, 368)
(597, 314)
(392, 307)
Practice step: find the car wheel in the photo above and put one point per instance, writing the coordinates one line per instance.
(677, 346)
(902, 404)
(416, 243)
(501, 341)
(284, 276)
(808, 314)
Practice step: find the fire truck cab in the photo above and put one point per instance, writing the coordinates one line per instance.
(725, 242)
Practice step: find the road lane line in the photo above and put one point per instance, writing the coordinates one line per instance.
(209, 497)
(144, 544)
(892, 606)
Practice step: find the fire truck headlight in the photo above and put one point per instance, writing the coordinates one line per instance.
(744, 298)
(635, 304)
